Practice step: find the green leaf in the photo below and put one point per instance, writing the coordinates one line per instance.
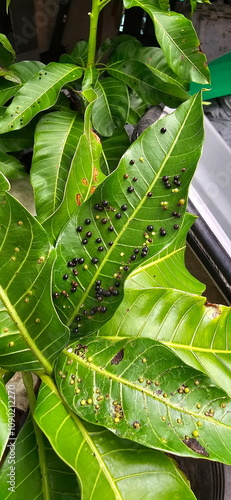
(7, 90)
(7, 53)
(56, 138)
(78, 55)
(9, 75)
(91, 75)
(154, 4)
(142, 391)
(18, 140)
(23, 467)
(27, 69)
(178, 41)
(4, 411)
(137, 108)
(7, 5)
(39, 93)
(107, 467)
(31, 333)
(163, 149)
(110, 110)
(114, 147)
(4, 183)
(83, 177)
(11, 167)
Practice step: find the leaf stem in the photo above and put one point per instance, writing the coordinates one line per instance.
(28, 382)
(103, 3)
(94, 17)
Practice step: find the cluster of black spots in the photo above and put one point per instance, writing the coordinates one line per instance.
(144, 252)
(176, 180)
(176, 214)
(70, 263)
(101, 293)
(98, 207)
(162, 231)
(130, 189)
(166, 182)
(163, 130)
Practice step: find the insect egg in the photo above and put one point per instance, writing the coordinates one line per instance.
(103, 221)
(183, 170)
(98, 240)
(100, 249)
(98, 282)
(174, 214)
(165, 178)
(131, 162)
(176, 226)
(130, 189)
(110, 228)
(162, 231)
(89, 234)
(124, 207)
(149, 228)
(79, 229)
(105, 203)
(167, 185)
(96, 206)
(70, 264)
(163, 130)
(177, 183)
(136, 250)
(133, 257)
(117, 284)
(65, 276)
(81, 260)
(75, 330)
(125, 176)
(110, 243)
(73, 289)
(84, 241)
(87, 221)
(118, 216)
(176, 177)
(126, 268)
(149, 195)
(55, 295)
(103, 309)
(135, 179)
(75, 260)
(94, 260)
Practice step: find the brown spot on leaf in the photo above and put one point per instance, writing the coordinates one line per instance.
(95, 174)
(92, 189)
(85, 181)
(96, 136)
(118, 357)
(194, 445)
(215, 308)
(78, 199)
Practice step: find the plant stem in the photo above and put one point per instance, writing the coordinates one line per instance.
(28, 382)
(94, 17)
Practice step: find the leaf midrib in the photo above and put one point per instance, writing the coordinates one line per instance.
(135, 387)
(124, 228)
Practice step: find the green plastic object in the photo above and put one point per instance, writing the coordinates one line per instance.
(220, 70)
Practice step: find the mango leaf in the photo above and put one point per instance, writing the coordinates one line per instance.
(139, 78)
(137, 108)
(178, 41)
(27, 69)
(107, 467)
(78, 55)
(9, 75)
(83, 177)
(56, 138)
(107, 240)
(140, 390)
(110, 110)
(7, 90)
(39, 93)
(11, 167)
(4, 183)
(18, 139)
(4, 412)
(41, 476)
(113, 148)
(7, 5)
(7, 53)
(31, 332)
(91, 75)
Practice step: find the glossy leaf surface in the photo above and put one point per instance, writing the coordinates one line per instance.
(31, 332)
(5, 425)
(110, 110)
(167, 146)
(39, 93)
(10, 166)
(7, 53)
(25, 468)
(108, 467)
(144, 392)
(113, 148)
(7, 90)
(27, 69)
(178, 41)
(56, 139)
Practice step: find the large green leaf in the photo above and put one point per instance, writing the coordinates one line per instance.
(27, 465)
(107, 467)
(83, 177)
(56, 138)
(9, 75)
(18, 139)
(141, 390)
(178, 41)
(4, 412)
(31, 332)
(110, 110)
(39, 93)
(78, 55)
(7, 53)
(168, 145)
(10, 166)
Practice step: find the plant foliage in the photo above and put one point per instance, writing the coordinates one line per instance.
(95, 297)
